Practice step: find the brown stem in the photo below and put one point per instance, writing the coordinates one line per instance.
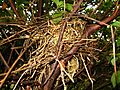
(14, 9)
(100, 3)
(94, 27)
(61, 33)
(4, 61)
(46, 6)
(76, 6)
(40, 7)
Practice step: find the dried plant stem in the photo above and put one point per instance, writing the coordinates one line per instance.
(86, 70)
(63, 81)
(20, 78)
(63, 70)
(64, 6)
(4, 61)
(12, 36)
(113, 42)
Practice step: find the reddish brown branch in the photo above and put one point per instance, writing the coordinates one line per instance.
(76, 6)
(4, 61)
(61, 33)
(46, 6)
(94, 27)
(14, 9)
(40, 7)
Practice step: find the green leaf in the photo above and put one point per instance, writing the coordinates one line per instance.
(114, 0)
(55, 1)
(57, 14)
(1, 1)
(60, 4)
(57, 20)
(118, 41)
(69, 7)
(19, 2)
(116, 24)
(112, 61)
(118, 78)
(113, 80)
(118, 55)
(11, 86)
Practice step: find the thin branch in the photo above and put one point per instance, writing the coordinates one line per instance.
(20, 78)
(99, 4)
(76, 6)
(14, 9)
(86, 69)
(46, 6)
(5, 40)
(9, 71)
(113, 42)
(90, 29)
(55, 64)
(11, 48)
(89, 18)
(61, 33)
(4, 61)
(13, 24)
(64, 6)
(40, 7)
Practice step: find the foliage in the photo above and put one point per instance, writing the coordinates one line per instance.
(58, 15)
(116, 24)
(115, 80)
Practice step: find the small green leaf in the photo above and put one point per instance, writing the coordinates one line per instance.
(118, 55)
(1, 1)
(19, 2)
(69, 7)
(57, 17)
(112, 61)
(114, 0)
(11, 86)
(118, 78)
(57, 20)
(118, 41)
(60, 4)
(116, 24)
(56, 2)
(57, 14)
(113, 80)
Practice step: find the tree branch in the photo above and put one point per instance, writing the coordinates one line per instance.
(14, 9)
(40, 7)
(94, 27)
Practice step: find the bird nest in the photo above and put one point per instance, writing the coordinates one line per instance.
(44, 47)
